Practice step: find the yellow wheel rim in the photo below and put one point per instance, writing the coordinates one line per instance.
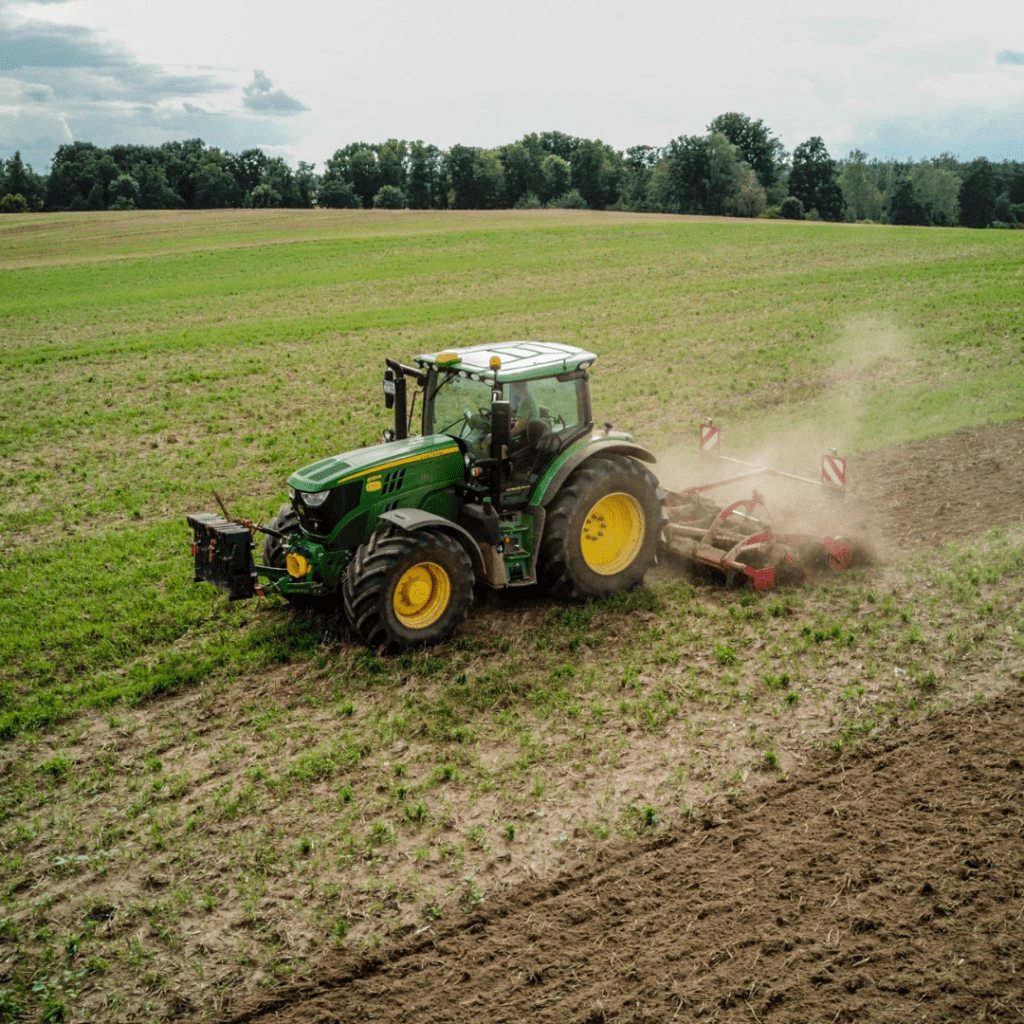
(612, 534)
(422, 595)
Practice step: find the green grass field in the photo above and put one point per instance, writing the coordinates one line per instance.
(150, 358)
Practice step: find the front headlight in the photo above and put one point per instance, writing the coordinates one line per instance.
(315, 499)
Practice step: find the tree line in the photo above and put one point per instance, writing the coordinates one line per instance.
(737, 168)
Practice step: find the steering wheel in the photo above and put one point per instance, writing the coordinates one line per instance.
(479, 420)
(463, 419)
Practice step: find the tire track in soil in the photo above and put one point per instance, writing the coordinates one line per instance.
(887, 885)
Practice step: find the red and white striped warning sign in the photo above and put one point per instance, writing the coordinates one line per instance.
(833, 472)
(710, 441)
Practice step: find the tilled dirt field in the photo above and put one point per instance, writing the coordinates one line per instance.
(927, 493)
(887, 885)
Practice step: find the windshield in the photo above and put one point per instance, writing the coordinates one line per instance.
(462, 407)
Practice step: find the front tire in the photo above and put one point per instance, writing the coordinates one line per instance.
(603, 529)
(404, 590)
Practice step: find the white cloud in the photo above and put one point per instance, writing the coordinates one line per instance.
(262, 98)
(38, 93)
(974, 87)
(484, 74)
(33, 128)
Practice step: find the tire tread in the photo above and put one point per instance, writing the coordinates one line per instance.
(370, 574)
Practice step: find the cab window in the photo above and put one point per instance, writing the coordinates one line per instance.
(462, 407)
(557, 402)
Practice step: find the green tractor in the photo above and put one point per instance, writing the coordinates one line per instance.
(506, 485)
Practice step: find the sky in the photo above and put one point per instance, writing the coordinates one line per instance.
(300, 79)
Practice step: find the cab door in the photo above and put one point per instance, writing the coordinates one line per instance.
(564, 416)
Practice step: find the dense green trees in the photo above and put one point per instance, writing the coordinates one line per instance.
(458, 171)
(246, 168)
(216, 181)
(814, 179)
(389, 197)
(707, 174)
(901, 193)
(686, 184)
(71, 176)
(792, 208)
(978, 194)
(366, 168)
(862, 196)
(17, 180)
(174, 175)
(488, 181)
(366, 174)
(739, 168)
(155, 193)
(937, 189)
(596, 172)
(757, 146)
(556, 176)
(529, 172)
(904, 206)
(425, 185)
(124, 193)
(338, 194)
(521, 162)
(638, 167)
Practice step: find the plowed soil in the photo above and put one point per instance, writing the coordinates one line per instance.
(885, 885)
(926, 493)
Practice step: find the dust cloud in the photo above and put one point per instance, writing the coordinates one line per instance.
(867, 352)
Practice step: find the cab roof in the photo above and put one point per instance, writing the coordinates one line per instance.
(520, 360)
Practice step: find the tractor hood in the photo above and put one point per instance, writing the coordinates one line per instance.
(380, 458)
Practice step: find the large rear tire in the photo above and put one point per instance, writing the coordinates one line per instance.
(404, 590)
(602, 530)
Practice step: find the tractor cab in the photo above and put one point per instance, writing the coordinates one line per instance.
(511, 407)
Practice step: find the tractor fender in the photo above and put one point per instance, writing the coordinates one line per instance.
(601, 446)
(411, 519)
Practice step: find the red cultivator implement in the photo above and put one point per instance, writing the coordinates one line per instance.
(743, 544)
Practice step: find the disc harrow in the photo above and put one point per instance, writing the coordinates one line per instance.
(740, 540)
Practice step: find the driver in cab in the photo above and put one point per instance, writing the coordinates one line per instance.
(524, 408)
